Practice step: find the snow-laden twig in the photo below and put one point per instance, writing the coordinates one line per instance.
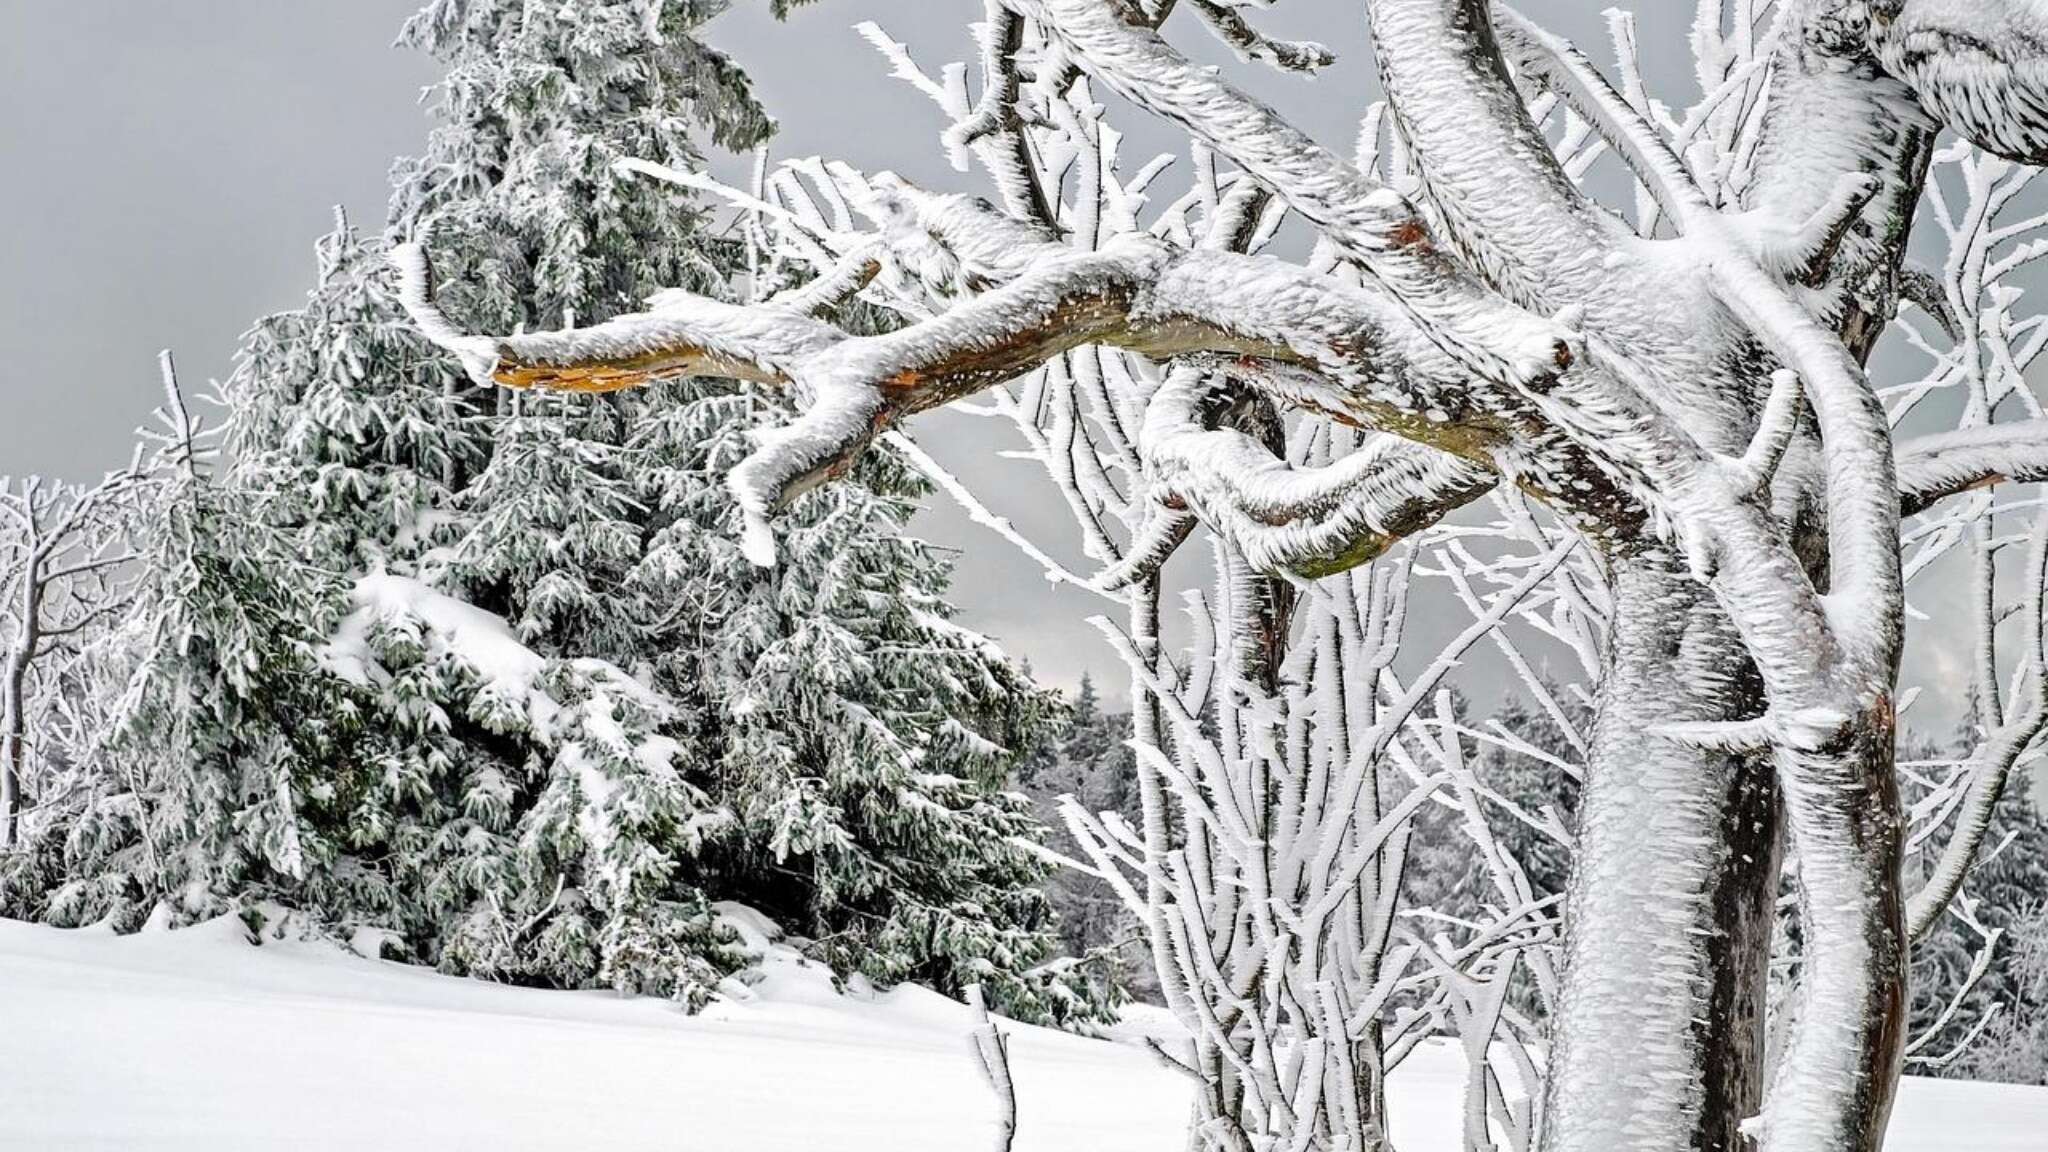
(991, 1050)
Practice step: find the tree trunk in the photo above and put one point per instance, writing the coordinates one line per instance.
(10, 793)
(1659, 1036)
(1835, 1082)
(1371, 1059)
(14, 705)
(13, 746)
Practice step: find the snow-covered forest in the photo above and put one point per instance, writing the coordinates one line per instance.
(1574, 553)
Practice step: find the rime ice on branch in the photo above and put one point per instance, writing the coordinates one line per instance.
(1679, 388)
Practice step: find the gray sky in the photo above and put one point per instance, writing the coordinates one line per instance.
(168, 167)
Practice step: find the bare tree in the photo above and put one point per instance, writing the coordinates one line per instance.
(1678, 382)
(62, 548)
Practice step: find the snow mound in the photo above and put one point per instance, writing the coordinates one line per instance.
(486, 645)
(484, 641)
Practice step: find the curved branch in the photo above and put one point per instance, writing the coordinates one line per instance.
(1559, 66)
(1822, 72)
(1801, 247)
(1997, 755)
(1504, 197)
(1862, 509)
(1979, 66)
(1249, 43)
(1378, 227)
(1367, 363)
(1988, 777)
(1934, 467)
(834, 287)
(1309, 522)
(1165, 528)
(685, 336)
(1924, 290)
(995, 127)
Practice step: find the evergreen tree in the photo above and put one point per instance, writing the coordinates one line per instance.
(864, 740)
(2004, 892)
(518, 191)
(383, 460)
(553, 529)
(532, 225)
(1087, 757)
(229, 758)
(349, 431)
(484, 679)
(838, 707)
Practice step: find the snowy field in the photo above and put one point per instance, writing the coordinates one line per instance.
(195, 1041)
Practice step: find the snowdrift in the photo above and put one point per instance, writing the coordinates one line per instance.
(195, 1040)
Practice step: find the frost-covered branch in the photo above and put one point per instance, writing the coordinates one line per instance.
(1985, 364)
(1229, 24)
(1980, 65)
(1938, 465)
(1373, 224)
(1505, 198)
(63, 549)
(1980, 964)
(1352, 352)
(1309, 521)
(1997, 754)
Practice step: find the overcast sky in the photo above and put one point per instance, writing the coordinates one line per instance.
(165, 169)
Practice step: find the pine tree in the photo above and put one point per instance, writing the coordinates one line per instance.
(228, 757)
(865, 740)
(349, 432)
(518, 190)
(452, 737)
(553, 529)
(532, 224)
(1087, 757)
(640, 825)
(483, 680)
(435, 497)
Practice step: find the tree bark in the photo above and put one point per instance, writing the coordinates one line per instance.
(13, 745)
(14, 707)
(1659, 1035)
(1836, 1080)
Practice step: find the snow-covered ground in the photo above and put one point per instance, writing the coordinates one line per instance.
(196, 1041)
